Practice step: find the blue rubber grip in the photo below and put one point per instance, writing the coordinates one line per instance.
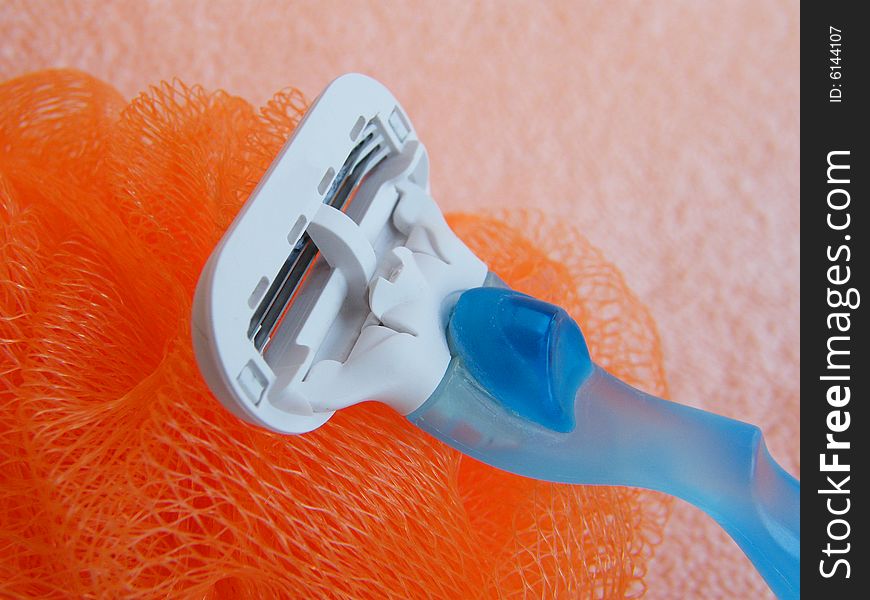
(522, 394)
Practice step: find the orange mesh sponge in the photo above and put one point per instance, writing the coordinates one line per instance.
(120, 476)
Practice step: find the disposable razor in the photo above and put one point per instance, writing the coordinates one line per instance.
(340, 282)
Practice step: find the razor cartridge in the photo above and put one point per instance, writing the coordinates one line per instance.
(337, 269)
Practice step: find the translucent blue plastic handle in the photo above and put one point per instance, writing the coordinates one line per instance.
(521, 394)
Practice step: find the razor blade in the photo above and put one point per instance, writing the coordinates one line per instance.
(333, 284)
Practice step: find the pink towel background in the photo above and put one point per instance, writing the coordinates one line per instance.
(668, 133)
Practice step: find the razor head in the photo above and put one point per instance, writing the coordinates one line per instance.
(330, 286)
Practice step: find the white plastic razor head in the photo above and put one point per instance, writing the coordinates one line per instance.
(333, 283)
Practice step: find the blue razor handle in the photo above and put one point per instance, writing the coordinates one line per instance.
(522, 394)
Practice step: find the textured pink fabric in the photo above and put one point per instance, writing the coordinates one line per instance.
(669, 134)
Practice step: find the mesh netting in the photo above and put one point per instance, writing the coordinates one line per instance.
(120, 475)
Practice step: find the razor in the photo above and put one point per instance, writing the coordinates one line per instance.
(340, 281)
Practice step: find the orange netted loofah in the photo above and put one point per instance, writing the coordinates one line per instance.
(120, 475)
